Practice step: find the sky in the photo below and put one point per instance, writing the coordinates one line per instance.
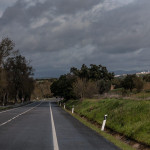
(58, 34)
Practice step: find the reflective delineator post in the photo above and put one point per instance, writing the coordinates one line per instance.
(72, 109)
(64, 106)
(104, 123)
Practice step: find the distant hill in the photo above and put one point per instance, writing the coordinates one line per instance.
(121, 72)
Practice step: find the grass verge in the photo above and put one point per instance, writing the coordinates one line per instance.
(109, 137)
(127, 117)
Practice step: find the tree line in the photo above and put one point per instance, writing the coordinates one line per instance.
(95, 80)
(131, 82)
(83, 83)
(16, 81)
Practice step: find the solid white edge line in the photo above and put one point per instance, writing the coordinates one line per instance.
(14, 108)
(19, 115)
(55, 142)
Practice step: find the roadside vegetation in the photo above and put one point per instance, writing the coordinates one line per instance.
(97, 82)
(16, 81)
(84, 82)
(42, 89)
(120, 144)
(129, 117)
(94, 91)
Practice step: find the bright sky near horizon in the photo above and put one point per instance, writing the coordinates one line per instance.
(57, 35)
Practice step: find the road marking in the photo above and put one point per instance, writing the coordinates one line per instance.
(55, 142)
(14, 108)
(19, 115)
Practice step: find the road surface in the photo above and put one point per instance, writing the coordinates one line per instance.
(45, 126)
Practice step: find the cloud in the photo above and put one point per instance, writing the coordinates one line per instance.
(62, 33)
(4, 4)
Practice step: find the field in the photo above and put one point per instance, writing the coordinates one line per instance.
(128, 117)
(143, 95)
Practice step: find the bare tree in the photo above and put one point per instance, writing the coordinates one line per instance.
(85, 89)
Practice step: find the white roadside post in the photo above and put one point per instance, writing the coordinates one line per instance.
(64, 106)
(22, 100)
(72, 109)
(104, 123)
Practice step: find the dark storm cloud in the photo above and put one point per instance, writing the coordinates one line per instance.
(63, 33)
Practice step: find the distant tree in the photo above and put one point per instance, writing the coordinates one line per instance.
(100, 73)
(83, 82)
(74, 71)
(147, 78)
(128, 82)
(79, 88)
(104, 86)
(27, 88)
(83, 73)
(133, 82)
(138, 82)
(94, 72)
(84, 89)
(63, 87)
(117, 82)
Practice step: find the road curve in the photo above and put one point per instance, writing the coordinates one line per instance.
(45, 126)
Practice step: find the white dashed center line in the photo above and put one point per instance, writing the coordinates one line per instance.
(19, 115)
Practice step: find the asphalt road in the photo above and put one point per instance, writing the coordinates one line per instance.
(45, 126)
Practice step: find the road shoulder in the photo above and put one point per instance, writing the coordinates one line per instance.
(120, 144)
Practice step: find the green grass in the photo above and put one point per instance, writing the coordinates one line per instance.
(141, 95)
(116, 91)
(109, 137)
(4, 108)
(128, 117)
(133, 95)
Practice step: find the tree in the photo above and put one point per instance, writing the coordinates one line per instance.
(138, 82)
(6, 48)
(132, 81)
(3, 86)
(147, 78)
(104, 86)
(19, 74)
(82, 82)
(128, 82)
(84, 72)
(27, 88)
(85, 89)
(117, 82)
(100, 72)
(63, 87)
(74, 71)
